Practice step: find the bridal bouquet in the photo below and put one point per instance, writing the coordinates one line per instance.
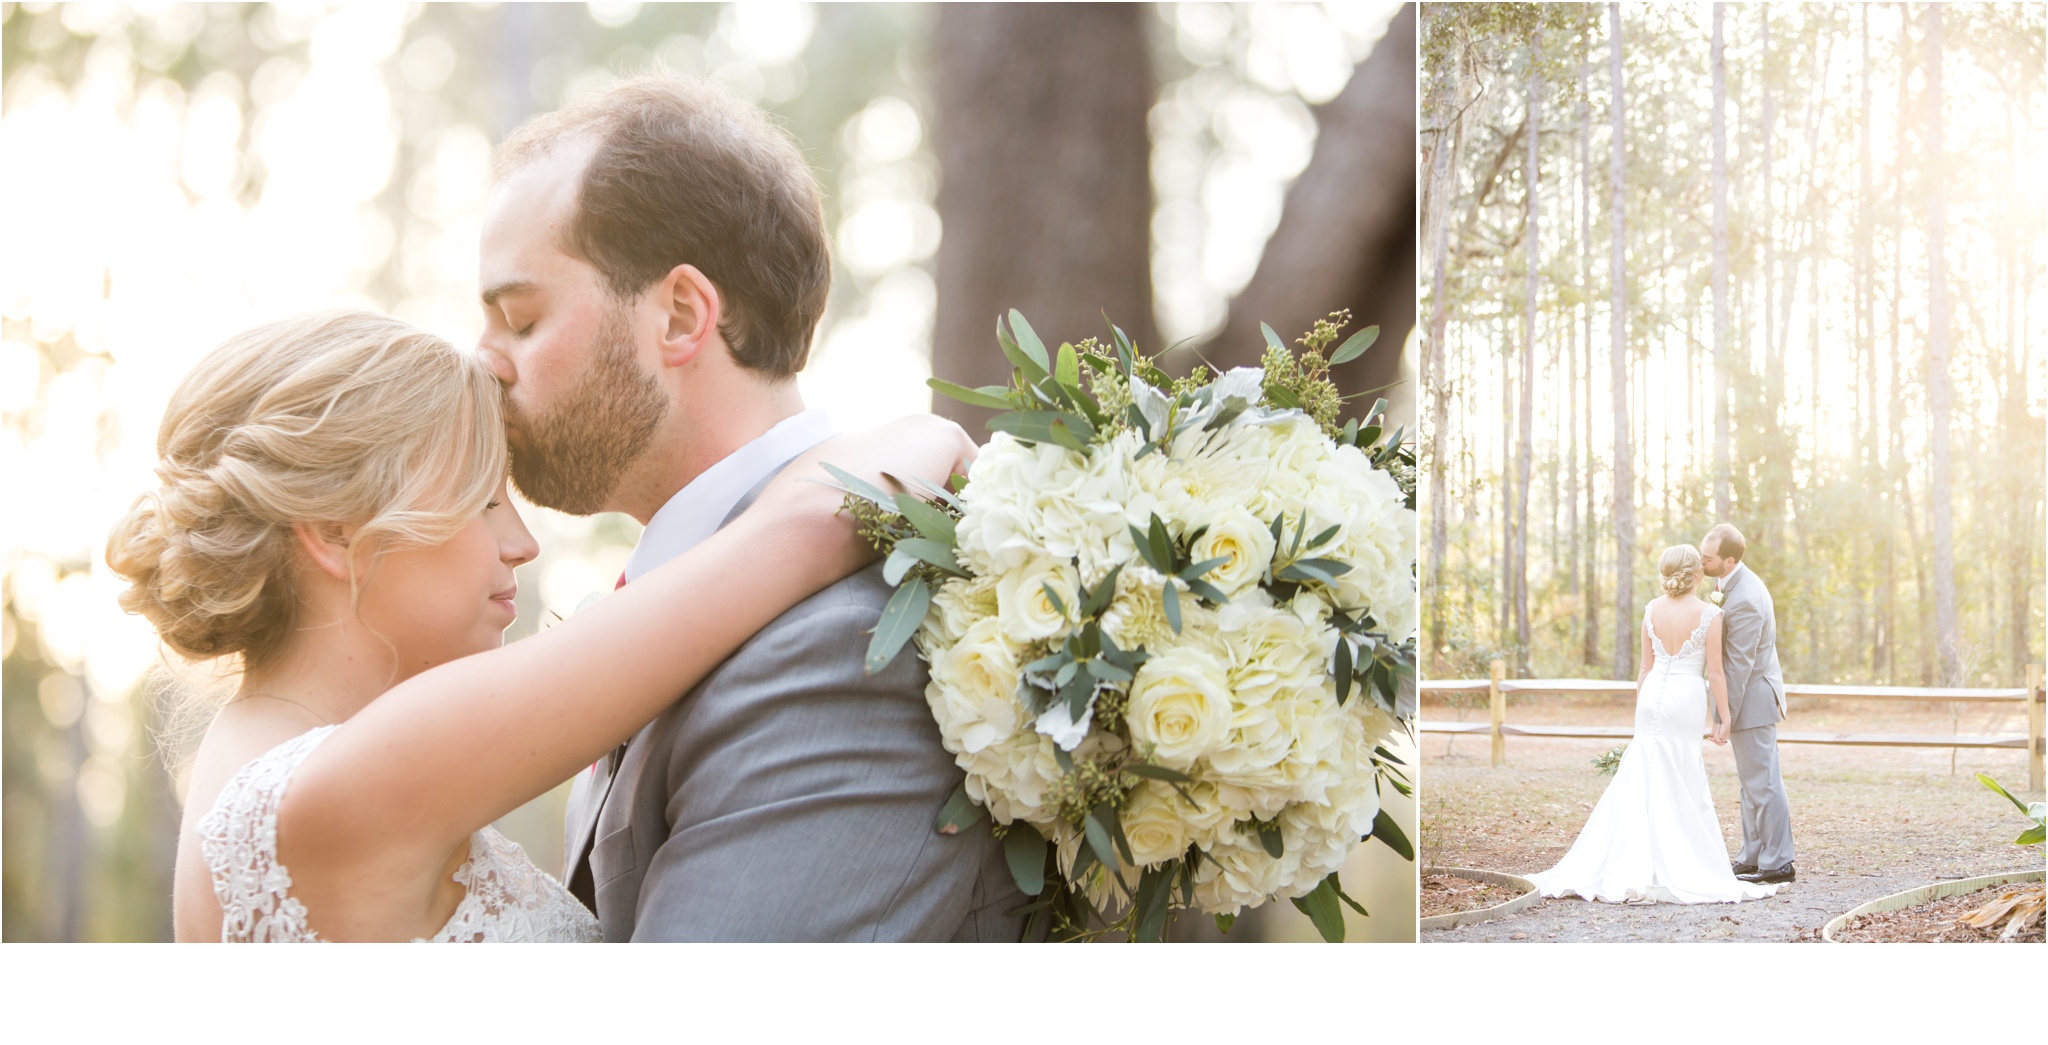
(1170, 625)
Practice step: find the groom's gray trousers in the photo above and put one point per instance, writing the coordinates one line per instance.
(1756, 701)
(1766, 816)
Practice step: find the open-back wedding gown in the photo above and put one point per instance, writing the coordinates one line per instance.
(1654, 836)
(508, 899)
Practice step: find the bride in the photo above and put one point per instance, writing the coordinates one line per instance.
(1654, 836)
(332, 517)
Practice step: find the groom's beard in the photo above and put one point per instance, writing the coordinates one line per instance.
(570, 459)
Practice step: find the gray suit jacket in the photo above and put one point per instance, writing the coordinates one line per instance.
(1749, 653)
(790, 796)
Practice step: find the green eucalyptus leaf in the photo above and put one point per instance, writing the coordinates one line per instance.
(1208, 591)
(1321, 906)
(860, 487)
(1224, 922)
(1170, 598)
(1024, 849)
(900, 619)
(1386, 830)
(1270, 837)
(1107, 672)
(1152, 772)
(1059, 605)
(1046, 426)
(1343, 671)
(970, 396)
(1282, 398)
(930, 521)
(1272, 339)
(1027, 340)
(1097, 834)
(1196, 570)
(1104, 592)
(1355, 345)
(958, 812)
(933, 552)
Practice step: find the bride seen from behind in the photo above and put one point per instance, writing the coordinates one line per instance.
(1654, 836)
(332, 515)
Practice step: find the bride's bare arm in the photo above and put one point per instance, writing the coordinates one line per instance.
(1717, 682)
(454, 748)
(1648, 660)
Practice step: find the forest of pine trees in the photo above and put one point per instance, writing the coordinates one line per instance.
(1774, 264)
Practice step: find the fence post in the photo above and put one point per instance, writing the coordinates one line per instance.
(1498, 702)
(2035, 712)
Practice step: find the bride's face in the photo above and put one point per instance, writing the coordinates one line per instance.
(440, 603)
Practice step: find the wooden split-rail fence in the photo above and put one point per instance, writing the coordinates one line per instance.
(1498, 728)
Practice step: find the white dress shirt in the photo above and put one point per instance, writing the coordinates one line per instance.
(1728, 579)
(699, 509)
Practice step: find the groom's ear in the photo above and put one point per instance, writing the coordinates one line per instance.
(692, 309)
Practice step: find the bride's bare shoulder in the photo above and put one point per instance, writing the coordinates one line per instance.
(238, 735)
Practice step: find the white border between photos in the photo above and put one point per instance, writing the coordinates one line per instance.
(1454, 992)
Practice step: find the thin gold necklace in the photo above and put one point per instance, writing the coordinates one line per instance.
(288, 700)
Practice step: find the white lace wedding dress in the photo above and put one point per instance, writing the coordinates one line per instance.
(508, 899)
(1654, 837)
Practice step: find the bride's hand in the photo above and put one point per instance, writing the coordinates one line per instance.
(922, 446)
(1719, 734)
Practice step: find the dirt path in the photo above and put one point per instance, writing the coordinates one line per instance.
(1866, 823)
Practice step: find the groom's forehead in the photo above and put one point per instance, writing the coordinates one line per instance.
(525, 224)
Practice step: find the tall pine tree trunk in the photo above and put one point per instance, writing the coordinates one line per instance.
(1624, 507)
(1938, 369)
(1450, 95)
(1723, 495)
(1527, 407)
(1047, 196)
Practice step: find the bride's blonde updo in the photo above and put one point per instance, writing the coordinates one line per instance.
(1680, 569)
(342, 417)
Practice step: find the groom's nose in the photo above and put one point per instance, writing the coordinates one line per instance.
(498, 363)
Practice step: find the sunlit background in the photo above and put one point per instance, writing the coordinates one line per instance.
(1834, 472)
(175, 173)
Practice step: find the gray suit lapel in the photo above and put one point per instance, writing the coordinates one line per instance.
(587, 796)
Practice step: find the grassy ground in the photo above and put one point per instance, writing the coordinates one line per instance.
(1866, 822)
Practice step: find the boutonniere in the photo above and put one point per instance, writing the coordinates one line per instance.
(1717, 598)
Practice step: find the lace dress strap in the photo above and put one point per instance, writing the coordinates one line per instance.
(1699, 632)
(239, 839)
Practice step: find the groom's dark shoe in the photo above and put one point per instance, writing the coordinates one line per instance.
(1782, 874)
(1742, 869)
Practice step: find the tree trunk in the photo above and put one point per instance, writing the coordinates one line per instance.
(1723, 498)
(1937, 369)
(1624, 509)
(1346, 237)
(1526, 454)
(1047, 197)
(1450, 95)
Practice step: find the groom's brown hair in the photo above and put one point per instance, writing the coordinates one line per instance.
(1728, 542)
(683, 173)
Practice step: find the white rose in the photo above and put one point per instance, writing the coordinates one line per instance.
(1154, 824)
(1238, 537)
(1179, 709)
(973, 689)
(1024, 608)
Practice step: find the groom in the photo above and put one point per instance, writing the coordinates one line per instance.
(1756, 704)
(654, 263)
